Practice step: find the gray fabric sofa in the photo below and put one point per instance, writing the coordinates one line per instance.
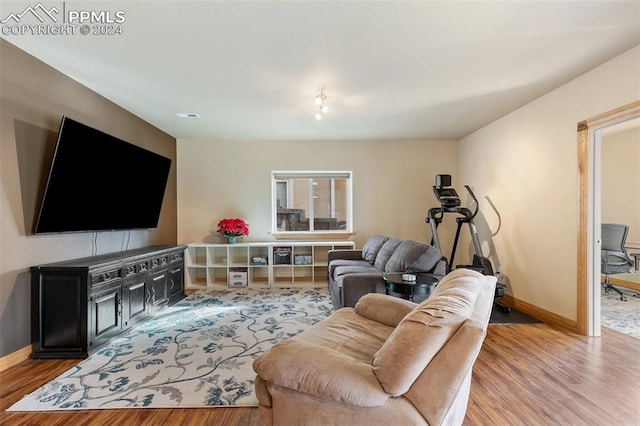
(354, 273)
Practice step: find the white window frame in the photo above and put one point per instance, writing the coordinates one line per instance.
(280, 175)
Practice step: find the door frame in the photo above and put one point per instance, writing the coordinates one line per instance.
(588, 315)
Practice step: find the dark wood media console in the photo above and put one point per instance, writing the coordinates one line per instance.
(78, 305)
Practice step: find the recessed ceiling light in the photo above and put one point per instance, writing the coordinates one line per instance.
(188, 114)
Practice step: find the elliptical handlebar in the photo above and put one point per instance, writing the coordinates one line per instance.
(475, 211)
(450, 203)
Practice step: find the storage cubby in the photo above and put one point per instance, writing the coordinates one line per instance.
(199, 256)
(303, 274)
(278, 262)
(217, 275)
(282, 274)
(282, 255)
(217, 256)
(237, 256)
(197, 276)
(259, 256)
(259, 274)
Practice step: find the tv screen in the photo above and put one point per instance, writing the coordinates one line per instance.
(98, 182)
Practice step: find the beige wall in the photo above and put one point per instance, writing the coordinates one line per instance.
(33, 99)
(526, 163)
(621, 180)
(391, 183)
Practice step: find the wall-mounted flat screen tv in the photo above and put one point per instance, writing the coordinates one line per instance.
(98, 182)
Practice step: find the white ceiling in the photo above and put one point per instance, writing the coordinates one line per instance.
(392, 70)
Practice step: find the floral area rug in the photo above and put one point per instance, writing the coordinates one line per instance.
(197, 353)
(623, 316)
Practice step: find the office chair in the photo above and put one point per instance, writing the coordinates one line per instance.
(614, 258)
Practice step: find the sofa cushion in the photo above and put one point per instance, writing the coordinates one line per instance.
(427, 260)
(408, 253)
(425, 330)
(372, 247)
(345, 262)
(355, 269)
(385, 252)
(331, 360)
(353, 335)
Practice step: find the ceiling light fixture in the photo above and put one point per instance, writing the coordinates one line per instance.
(322, 107)
(188, 114)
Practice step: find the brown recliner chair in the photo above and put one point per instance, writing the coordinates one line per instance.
(386, 361)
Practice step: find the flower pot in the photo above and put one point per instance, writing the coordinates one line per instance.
(232, 239)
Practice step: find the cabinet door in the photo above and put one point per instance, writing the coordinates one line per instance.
(105, 313)
(157, 290)
(176, 283)
(59, 323)
(134, 299)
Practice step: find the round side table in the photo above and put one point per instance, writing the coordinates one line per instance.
(422, 286)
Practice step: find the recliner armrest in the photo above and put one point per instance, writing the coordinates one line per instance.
(322, 372)
(387, 310)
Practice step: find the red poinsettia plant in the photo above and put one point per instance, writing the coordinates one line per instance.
(233, 228)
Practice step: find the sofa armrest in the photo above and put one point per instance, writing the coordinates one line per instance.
(440, 270)
(387, 310)
(344, 254)
(354, 286)
(322, 372)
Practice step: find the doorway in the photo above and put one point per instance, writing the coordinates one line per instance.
(589, 166)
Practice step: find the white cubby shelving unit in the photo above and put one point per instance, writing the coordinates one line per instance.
(209, 265)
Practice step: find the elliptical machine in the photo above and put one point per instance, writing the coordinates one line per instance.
(450, 203)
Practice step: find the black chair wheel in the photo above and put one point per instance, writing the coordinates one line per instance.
(624, 299)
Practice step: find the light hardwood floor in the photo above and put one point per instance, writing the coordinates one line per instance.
(526, 374)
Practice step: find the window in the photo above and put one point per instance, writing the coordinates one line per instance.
(311, 202)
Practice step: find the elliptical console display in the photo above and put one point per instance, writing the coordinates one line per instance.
(447, 196)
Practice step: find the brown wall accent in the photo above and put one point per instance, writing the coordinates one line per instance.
(33, 99)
